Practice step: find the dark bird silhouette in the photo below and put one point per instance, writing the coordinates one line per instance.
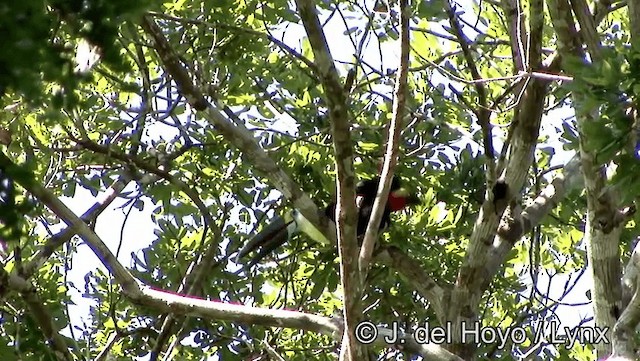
(280, 230)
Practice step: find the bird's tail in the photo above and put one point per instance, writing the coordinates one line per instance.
(270, 238)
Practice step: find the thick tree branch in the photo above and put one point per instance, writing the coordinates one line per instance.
(624, 330)
(569, 40)
(178, 304)
(236, 133)
(602, 231)
(169, 302)
(548, 199)
(187, 306)
(473, 274)
(346, 213)
(144, 295)
(587, 27)
(192, 193)
(536, 27)
(62, 237)
(517, 226)
(630, 278)
(28, 182)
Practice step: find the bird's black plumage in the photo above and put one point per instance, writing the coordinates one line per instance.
(280, 230)
(368, 190)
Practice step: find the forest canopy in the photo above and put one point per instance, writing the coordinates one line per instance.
(449, 180)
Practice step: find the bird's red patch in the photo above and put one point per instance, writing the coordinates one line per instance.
(397, 203)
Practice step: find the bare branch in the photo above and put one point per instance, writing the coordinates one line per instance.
(587, 28)
(393, 140)
(515, 21)
(482, 112)
(65, 235)
(346, 213)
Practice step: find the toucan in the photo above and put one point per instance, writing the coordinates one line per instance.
(281, 230)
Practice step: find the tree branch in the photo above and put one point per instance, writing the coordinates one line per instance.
(144, 295)
(393, 140)
(473, 274)
(111, 341)
(515, 23)
(236, 133)
(170, 302)
(196, 273)
(164, 174)
(414, 274)
(346, 212)
(483, 112)
(38, 311)
(625, 328)
(518, 225)
(587, 28)
(28, 181)
(66, 234)
(602, 231)
(213, 25)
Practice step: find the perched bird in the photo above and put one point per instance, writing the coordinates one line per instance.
(399, 198)
(281, 230)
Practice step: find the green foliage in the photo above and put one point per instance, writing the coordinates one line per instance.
(14, 204)
(129, 123)
(42, 36)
